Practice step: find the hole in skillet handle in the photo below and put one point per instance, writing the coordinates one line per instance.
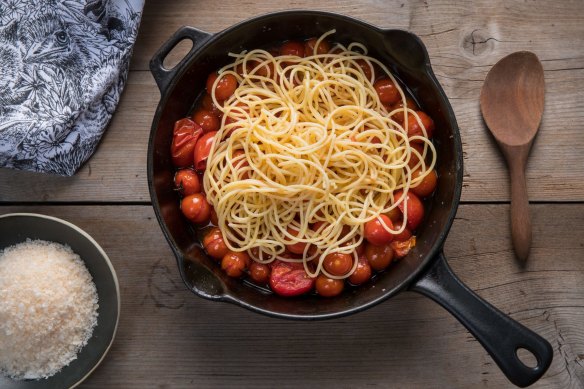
(500, 335)
(161, 74)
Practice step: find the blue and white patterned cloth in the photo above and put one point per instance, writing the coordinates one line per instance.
(63, 65)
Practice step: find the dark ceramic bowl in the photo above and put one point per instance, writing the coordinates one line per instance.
(424, 270)
(16, 228)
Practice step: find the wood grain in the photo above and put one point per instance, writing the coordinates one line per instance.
(464, 40)
(169, 338)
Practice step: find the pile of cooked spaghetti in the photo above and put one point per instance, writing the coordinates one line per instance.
(307, 153)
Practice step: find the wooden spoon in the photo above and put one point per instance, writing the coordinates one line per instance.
(512, 104)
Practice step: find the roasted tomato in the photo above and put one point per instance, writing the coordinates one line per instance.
(187, 182)
(226, 86)
(214, 243)
(234, 264)
(196, 208)
(428, 184)
(185, 136)
(329, 287)
(402, 248)
(362, 273)
(259, 273)
(375, 233)
(290, 279)
(379, 257)
(387, 91)
(202, 150)
(415, 209)
(414, 128)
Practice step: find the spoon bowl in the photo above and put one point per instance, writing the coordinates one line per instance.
(512, 103)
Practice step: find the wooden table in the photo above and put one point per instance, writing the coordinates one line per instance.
(169, 338)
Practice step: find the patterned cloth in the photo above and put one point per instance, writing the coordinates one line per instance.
(63, 65)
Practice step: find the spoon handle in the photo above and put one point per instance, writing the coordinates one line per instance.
(520, 221)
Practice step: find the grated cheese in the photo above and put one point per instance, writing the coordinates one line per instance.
(48, 308)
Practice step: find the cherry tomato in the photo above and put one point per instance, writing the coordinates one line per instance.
(394, 215)
(338, 264)
(379, 257)
(208, 104)
(226, 86)
(202, 150)
(414, 127)
(256, 254)
(404, 235)
(214, 218)
(296, 248)
(399, 115)
(414, 157)
(360, 249)
(425, 187)
(290, 279)
(196, 208)
(366, 68)
(362, 273)
(207, 120)
(402, 248)
(323, 48)
(292, 48)
(214, 243)
(375, 233)
(329, 287)
(387, 91)
(187, 182)
(259, 273)
(240, 162)
(235, 263)
(415, 209)
(185, 136)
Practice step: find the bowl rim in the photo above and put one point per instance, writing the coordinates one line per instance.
(107, 261)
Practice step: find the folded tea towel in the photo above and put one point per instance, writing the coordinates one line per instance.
(63, 65)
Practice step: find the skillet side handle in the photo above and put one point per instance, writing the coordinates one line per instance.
(163, 75)
(500, 335)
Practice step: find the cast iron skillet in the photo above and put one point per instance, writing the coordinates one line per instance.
(424, 270)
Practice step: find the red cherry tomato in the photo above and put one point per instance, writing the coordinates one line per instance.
(425, 187)
(296, 248)
(208, 104)
(259, 273)
(338, 264)
(214, 218)
(290, 279)
(402, 248)
(375, 233)
(214, 243)
(415, 209)
(185, 136)
(207, 120)
(387, 91)
(414, 128)
(240, 162)
(196, 208)
(226, 86)
(292, 48)
(414, 158)
(399, 115)
(365, 68)
(362, 273)
(394, 215)
(187, 182)
(329, 287)
(323, 48)
(379, 257)
(404, 235)
(202, 150)
(235, 263)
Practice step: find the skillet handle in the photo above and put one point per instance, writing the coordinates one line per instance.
(500, 335)
(163, 75)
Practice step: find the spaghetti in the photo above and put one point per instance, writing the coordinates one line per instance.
(307, 154)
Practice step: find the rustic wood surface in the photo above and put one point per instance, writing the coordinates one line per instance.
(169, 338)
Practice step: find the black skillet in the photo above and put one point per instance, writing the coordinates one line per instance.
(424, 270)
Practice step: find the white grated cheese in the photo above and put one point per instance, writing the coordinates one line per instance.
(48, 308)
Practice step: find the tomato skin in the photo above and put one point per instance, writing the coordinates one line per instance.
(329, 287)
(296, 248)
(202, 150)
(323, 48)
(413, 157)
(379, 257)
(208, 104)
(402, 248)
(365, 68)
(387, 91)
(214, 218)
(362, 273)
(415, 209)
(187, 182)
(292, 48)
(375, 233)
(338, 264)
(399, 115)
(394, 215)
(259, 273)
(404, 235)
(214, 244)
(428, 184)
(289, 279)
(414, 128)
(225, 87)
(185, 136)
(196, 208)
(207, 120)
(234, 263)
